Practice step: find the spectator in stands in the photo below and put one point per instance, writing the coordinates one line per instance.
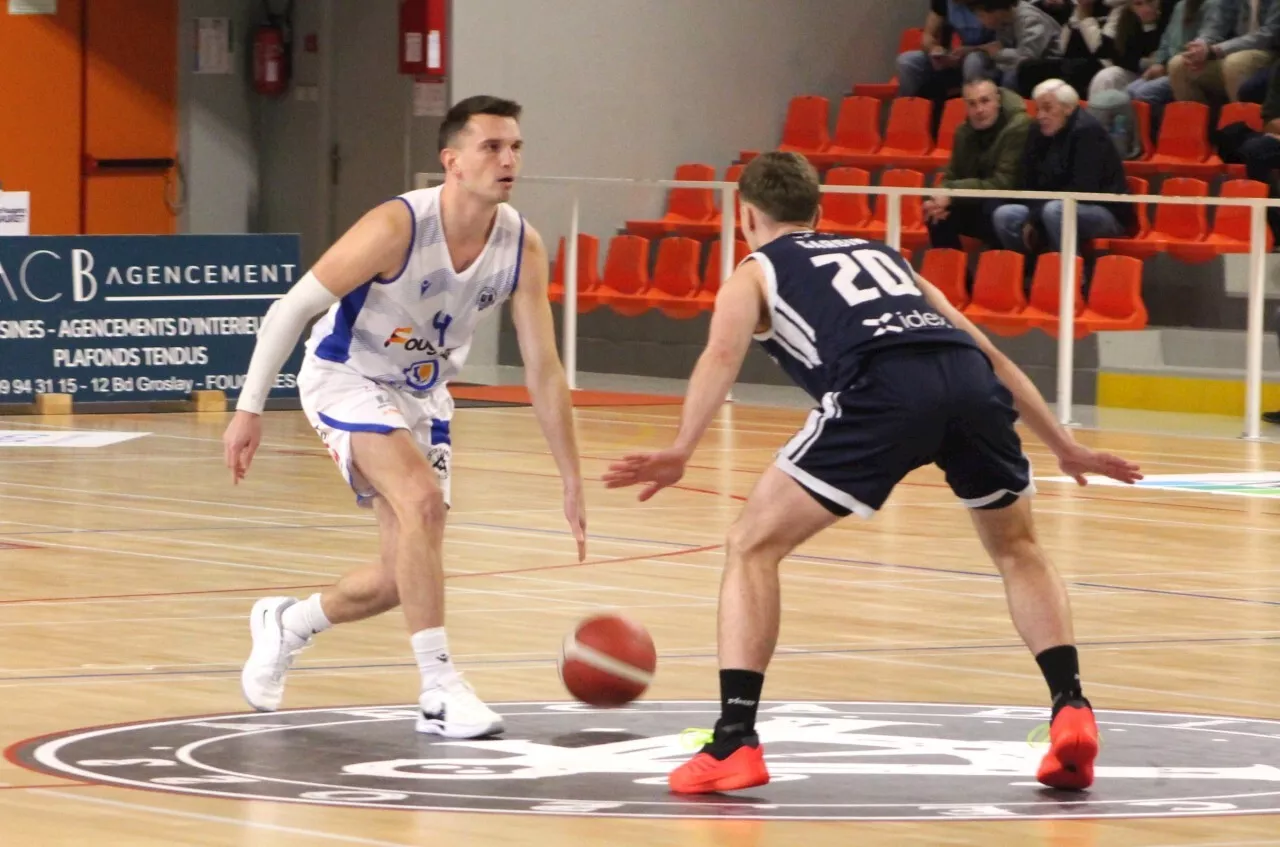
(987, 154)
(1254, 89)
(1059, 10)
(1258, 151)
(1130, 42)
(1023, 32)
(936, 69)
(1184, 26)
(1103, 45)
(1237, 40)
(1067, 150)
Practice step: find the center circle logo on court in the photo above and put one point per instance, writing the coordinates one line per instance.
(829, 761)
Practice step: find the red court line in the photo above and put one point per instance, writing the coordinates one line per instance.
(708, 491)
(51, 785)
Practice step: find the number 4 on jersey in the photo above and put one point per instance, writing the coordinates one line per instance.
(441, 322)
(889, 278)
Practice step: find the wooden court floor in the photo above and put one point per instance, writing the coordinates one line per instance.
(128, 572)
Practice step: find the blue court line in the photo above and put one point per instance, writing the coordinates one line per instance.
(782, 653)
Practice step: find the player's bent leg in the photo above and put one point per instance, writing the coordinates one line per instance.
(396, 468)
(281, 627)
(371, 589)
(403, 477)
(1041, 613)
(1035, 592)
(778, 516)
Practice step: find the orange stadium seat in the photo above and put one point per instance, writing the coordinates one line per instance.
(1115, 297)
(626, 275)
(675, 282)
(945, 268)
(997, 289)
(684, 205)
(1230, 226)
(1174, 222)
(845, 213)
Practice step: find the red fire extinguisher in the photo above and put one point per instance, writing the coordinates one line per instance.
(272, 52)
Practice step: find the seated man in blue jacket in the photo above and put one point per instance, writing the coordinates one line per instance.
(1067, 150)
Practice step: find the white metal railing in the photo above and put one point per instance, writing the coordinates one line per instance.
(1254, 339)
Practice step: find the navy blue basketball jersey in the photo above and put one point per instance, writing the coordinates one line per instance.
(833, 300)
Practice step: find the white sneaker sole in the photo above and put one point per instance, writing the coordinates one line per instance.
(261, 626)
(433, 726)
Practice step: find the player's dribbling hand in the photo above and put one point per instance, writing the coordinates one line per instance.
(240, 442)
(1078, 460)
(576, 513)
(659, 470)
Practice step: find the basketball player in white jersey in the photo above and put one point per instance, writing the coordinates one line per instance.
(403, 291)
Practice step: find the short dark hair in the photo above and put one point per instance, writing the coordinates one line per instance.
(782, 185)
(992, 5)
(481, 104)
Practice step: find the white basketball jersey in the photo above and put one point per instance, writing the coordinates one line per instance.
(414, 331)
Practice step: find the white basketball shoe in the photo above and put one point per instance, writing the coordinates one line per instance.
(262, 678)
(454, 711)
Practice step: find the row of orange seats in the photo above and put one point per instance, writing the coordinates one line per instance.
(676, 287)
(1182, 148)
(678, 290)
(1000, 303)
(1181, 230)
(691, 212)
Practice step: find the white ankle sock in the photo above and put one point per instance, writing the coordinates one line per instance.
(305, 618)
(431, 649)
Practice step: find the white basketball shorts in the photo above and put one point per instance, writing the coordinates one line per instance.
(338, 401)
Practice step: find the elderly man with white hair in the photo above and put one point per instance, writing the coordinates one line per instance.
(1067, 150)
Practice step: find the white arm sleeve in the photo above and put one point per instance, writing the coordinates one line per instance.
(277, 336)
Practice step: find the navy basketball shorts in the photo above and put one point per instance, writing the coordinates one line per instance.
(912, 407)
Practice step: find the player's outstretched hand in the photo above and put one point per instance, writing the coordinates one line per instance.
(575, 511)
(659, 470)
(1078, 460)
(240, 442)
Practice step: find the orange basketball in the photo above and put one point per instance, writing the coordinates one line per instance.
(607, 660)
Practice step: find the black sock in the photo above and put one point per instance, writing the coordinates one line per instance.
(739, 699)
(1061, 668)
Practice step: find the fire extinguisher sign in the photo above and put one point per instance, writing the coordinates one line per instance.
(214, 49)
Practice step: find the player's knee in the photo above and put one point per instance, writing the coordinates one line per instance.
(1019, 553)
(747, 542)
(422, 502)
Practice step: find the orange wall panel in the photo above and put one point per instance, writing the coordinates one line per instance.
(131, 96)
(40, 100)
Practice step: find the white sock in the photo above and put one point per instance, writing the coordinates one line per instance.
(431, 649)
(304, 619)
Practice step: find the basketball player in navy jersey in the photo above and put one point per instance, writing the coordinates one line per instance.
(402, 293)
(902, 380)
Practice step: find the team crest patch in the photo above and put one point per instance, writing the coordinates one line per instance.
(422, 375)
(829, 760)
(424, 287)
(488, 296)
